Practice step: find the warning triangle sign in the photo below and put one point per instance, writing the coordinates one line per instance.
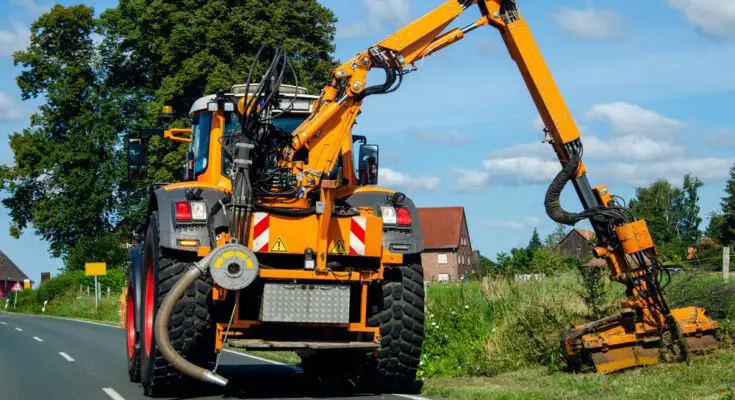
(279, 246)
(338, 248)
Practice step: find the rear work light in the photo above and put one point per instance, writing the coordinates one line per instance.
(395, 216)
(183, 211)
(403, 216)
(191, 211)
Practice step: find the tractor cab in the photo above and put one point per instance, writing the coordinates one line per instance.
(216, 117)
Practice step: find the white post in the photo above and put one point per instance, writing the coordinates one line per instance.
(43, 310)
(95, 292)
(16, 300)
(726, 263)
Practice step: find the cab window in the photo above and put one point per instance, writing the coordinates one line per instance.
(201, 125)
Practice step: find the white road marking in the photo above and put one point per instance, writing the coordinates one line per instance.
(18, 329)
(38, 339)
(410, 396)
(66, 356)
(3, 322)
(113, 394)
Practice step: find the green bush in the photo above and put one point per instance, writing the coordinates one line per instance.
(707, 290)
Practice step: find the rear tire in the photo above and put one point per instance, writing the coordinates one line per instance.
(191, 327)
(398, 309)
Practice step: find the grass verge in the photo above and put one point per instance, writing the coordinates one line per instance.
(705, 377)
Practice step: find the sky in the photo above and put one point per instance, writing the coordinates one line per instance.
(650, 84)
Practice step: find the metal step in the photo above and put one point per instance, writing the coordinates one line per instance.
(260, 344)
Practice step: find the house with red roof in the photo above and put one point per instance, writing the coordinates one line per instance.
(10, 274)
(447, 254)
(576, 244)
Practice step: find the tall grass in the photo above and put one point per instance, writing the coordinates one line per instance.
(495, 326)
(65, 299)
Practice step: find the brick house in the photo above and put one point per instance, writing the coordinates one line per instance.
(576, 244)
(10, 274)
(447, 254)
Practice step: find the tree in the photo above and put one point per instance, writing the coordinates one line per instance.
(688, 211)
(672, 214)
(554, 238)
(535, 242)
(66, 164)
(69, 181)
(726, 225)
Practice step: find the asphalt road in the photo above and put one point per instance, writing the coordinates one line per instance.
(51, 358)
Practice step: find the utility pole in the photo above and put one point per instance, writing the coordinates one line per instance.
(726, 263)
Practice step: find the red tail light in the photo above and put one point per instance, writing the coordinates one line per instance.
(183, 211)
(403, 216)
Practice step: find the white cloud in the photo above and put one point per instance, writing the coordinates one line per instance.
(355, 30)
(628, 119)
(630, 148)
(521, 170)
(14, 39)
(395, 12)
(452, 138)
(31, 6)
(395, 179)
(714, 17)
(378, 12)
(707, 169)
(10, 109)
(526, 223)
(470, 180)
(591, 24)
(719, 139)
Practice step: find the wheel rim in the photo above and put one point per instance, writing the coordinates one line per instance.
(149, 308)
(130, 322)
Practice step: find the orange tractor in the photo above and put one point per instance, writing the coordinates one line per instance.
(277, 239)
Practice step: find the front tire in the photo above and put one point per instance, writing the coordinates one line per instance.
(191, 327)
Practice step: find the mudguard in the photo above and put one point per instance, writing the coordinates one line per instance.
(170, 231)
(135, 278)
(397, 240)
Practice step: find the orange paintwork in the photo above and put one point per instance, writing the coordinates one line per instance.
(634, 237)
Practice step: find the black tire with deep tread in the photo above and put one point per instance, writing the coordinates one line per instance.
(399, 312)
(191, 327)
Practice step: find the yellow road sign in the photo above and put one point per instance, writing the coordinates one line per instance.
(95, 268)
(338, 248)
(26, 283)
(279, 246)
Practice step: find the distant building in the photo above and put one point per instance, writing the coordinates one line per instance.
(10, 274)
(447, 254)
(576, 244)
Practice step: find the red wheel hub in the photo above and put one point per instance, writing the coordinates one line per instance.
(130, 321)
(149, 308)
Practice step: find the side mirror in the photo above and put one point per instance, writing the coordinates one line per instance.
(137, 158)
(368, 164)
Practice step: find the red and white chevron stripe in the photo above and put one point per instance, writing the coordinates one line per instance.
(261, 231)
(357, 236)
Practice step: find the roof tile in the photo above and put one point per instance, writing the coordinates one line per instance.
(441, 226)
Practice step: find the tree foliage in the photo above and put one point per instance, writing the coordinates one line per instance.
(725, 223)
(68, 181)
(672, 214)
(66, 164)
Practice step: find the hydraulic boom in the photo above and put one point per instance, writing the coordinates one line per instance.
(649, 331)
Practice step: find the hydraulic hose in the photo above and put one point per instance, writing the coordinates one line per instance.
(161, 329)
(553, 194)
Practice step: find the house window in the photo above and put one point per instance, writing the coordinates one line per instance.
(443, 277)
(441, 258)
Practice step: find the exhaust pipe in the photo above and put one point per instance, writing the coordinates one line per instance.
(241, 269)
(161, 331)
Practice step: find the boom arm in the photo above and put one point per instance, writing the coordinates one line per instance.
(623, 241)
